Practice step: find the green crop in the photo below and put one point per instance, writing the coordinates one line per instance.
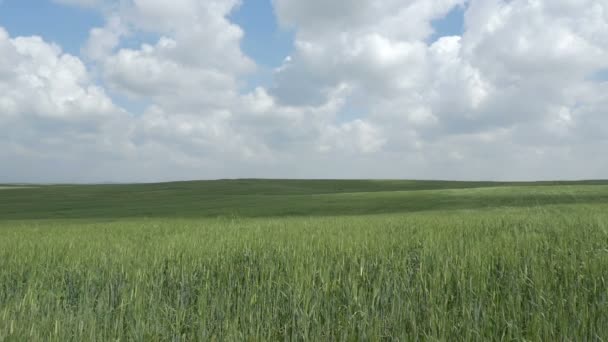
(506, 262)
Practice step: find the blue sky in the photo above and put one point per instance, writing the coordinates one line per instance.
(66, 25)
(264, 41)
(451, 25)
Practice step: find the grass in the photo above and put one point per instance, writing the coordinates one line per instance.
(267, 198)
(13, 187)
(281, 260)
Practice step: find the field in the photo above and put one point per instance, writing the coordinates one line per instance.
(305, 260)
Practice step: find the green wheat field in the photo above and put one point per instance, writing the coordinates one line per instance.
(287, 260)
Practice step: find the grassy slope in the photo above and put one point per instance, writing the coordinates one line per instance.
(176, 263)
(254, 198)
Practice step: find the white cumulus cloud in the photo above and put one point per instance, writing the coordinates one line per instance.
(365, 94)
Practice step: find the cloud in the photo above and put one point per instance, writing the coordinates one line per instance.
(50, 110)
(196, 61)
(363, 95)
(39, 81)
(104, 40)
(507, 71)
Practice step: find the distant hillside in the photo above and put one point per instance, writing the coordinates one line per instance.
(257, 197)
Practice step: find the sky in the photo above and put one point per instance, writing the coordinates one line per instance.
(153, 90)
